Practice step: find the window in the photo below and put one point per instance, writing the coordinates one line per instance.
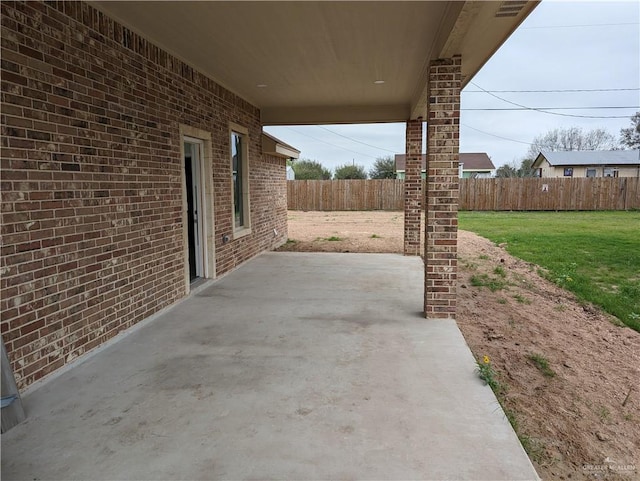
(591, 172)
(610, 172)
(568, 171)
(240, 180)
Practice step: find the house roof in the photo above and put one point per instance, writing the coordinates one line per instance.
(274, 146)
(314, 62)
(474, 161)
(589, 157)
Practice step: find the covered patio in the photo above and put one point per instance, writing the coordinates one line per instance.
(294, 366)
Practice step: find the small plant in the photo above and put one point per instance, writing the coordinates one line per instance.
(484, 257)
(334, 238)
(533, 447)
(499, 270)
(560, 308)
(375, 236)
(502, 300)
(488, 375)
(542, 363)
(483, 280)
(604, 414)
(566, 275)
(521, 299)
(291, 241)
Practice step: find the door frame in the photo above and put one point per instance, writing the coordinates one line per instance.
(197, 147)
(205, 194)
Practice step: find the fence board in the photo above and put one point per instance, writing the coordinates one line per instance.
(602, 193)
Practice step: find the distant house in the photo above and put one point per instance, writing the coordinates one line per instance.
(472, 165)
(476, 165)
(589, 163)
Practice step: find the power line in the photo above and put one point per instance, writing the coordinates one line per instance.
(552, 91)
(354, 140)
(525, 107)
(498, 136)
(557, 108)
(329, 143)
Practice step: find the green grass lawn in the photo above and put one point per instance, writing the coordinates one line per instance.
(596, 255)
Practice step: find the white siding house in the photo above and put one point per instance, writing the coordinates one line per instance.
(590, 163)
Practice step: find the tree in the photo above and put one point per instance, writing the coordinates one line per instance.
(350, 171)
(573, 138)
(507, 170)
(383, 168)
(630, 137)
(514, 170)
(306, 169)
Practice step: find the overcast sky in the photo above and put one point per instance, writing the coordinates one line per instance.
(564, 45)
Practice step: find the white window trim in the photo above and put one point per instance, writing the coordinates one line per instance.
(245, 229)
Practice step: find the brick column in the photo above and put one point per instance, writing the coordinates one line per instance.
(441, 227)
(413, 187)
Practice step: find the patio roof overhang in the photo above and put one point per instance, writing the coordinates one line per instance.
(323, 62)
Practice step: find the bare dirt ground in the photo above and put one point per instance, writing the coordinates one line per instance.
(582, 419)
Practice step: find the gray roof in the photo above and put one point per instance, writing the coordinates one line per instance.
(470, 161)
(591, 157)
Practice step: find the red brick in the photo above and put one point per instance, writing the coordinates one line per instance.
(102, 216)
(441, 197)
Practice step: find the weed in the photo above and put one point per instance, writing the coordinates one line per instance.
(560, 308)
(534, 448)
(542, 363)
(484, 257)
(488, 375)
(521, 299)
(565, 275)
(334, 238)
(483, 280)
(604, 414)
(291, 241)
(499, 270)
(502, 300)
(375, 236)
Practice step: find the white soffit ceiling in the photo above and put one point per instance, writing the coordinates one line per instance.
(316, 62)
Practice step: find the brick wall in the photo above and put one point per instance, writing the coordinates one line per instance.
(413, 188)
(91, 180)
(441, 239)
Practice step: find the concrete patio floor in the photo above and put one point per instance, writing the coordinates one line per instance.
(295, 366)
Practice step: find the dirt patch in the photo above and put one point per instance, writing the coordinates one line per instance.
(580, 420)
(372, 231)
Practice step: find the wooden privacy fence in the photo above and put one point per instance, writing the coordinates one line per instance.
(602, 193)
(385, 194)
